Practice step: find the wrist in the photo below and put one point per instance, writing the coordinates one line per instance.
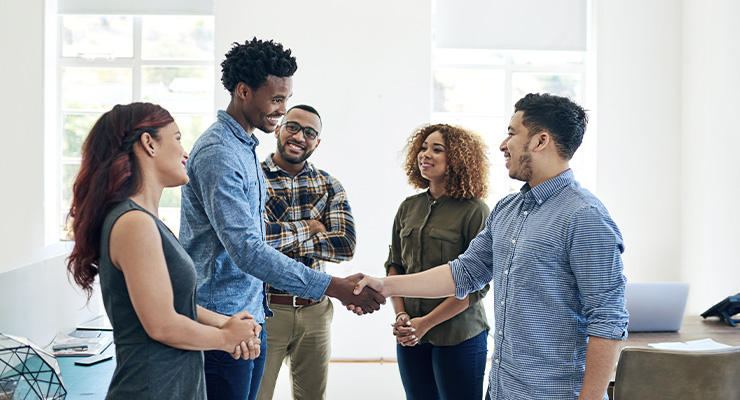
(400, 313)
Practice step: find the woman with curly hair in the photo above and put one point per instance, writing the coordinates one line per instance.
(441, 342)
(147, 279)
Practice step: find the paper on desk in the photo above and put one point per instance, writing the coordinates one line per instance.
(691, 345)
(92, 346)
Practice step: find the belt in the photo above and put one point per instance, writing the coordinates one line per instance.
(288, 300)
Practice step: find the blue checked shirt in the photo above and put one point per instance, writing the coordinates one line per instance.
(554, 255)
(312, 194)
(223, 230)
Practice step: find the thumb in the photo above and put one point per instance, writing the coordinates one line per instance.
(243, 315)
(360, 285)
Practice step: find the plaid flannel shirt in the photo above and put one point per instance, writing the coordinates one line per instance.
(312, 194)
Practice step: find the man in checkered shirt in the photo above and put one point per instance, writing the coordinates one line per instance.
(309, 219)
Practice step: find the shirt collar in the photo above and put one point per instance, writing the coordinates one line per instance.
(544, 190)
(272, 167)
(438, 199)
(237, 129)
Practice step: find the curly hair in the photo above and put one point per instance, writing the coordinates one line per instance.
(467, 163)
(109, 174)
(253, 61)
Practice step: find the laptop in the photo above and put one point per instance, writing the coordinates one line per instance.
(656, 307)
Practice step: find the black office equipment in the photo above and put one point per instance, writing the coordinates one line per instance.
(94, 359)
(725, 309)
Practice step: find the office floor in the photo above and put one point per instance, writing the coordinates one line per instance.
(357, 381)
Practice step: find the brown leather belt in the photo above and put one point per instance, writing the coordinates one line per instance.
(288, 300)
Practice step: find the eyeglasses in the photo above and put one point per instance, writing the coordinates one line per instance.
(294, 128)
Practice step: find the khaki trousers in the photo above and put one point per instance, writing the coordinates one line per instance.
(301, 337)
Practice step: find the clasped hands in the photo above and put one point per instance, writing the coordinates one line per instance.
(241, 333)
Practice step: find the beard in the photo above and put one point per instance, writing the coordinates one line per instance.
(291, 158)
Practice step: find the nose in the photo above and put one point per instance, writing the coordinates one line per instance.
(504, 144)
(187, 156)
(282, 109)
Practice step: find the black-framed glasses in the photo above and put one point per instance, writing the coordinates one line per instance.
(294, 127)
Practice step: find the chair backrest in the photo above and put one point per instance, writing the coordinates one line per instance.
(646, 373)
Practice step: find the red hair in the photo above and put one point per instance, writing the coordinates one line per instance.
(109, 174)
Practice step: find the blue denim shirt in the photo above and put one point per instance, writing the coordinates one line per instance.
(554, 255)
(223, 230)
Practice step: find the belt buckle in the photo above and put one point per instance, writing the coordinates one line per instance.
(294, 304)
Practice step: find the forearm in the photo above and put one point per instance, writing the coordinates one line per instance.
(601, 359)
(446, 310)
(210, 318)
(397, 302)
(181, 332)
(432, 283)
(286, 236)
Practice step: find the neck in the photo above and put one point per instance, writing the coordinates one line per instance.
(233, 111)
(436, 189)
(148, 199)
(288, 167)
(546, 174)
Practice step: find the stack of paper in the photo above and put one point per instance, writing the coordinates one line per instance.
(65, 346)
(691, 345)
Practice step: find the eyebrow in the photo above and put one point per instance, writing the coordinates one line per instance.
(434, 144)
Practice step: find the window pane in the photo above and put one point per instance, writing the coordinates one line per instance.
(97, 36)
(76, 129)
(177, 37)
(191, 127)
(468, 57)
(69, 173)
(179, 89)
(95, 88)
(568, 85)
(549, 58)
(469, 91)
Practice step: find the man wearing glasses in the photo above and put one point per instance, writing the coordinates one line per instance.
(308, 219)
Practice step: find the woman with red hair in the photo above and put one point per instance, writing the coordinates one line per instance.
(147, 280)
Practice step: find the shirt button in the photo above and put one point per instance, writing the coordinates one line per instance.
(500, 332)
(502, 302)
(539, 202)
(496, 361)
(526, 212)
(506, 272)
(513, 241)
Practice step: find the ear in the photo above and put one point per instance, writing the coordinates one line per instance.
(541, 141)
(147, 143)
(277, 131)
(242, 91)
(318, 142)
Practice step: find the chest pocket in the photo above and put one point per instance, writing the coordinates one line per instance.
(444, 246)
(277, 209)
(408, 246)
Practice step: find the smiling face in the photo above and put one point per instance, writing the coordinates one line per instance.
(170, 156)
(432, 159)
(263, 107)
(295, 148)
(516, 149)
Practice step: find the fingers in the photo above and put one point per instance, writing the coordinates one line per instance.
(237, 352)
(243, 315)
(361, 285)
(254, 348)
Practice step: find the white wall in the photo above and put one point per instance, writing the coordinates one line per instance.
(667, 79)
(710, 140)
(367, 70)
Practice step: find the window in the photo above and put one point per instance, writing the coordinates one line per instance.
(477, 89)
(104, 60)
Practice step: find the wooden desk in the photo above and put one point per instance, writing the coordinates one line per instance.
(693, 327)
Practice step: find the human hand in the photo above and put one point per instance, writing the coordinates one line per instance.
(378, 284)
(315, 226)
(241, 336)
(342, 289)
(403, 331)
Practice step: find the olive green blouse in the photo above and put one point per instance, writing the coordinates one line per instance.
(428, 233)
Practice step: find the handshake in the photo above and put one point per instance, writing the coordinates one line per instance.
(359, 293)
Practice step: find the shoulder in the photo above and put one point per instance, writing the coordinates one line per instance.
(135, 227)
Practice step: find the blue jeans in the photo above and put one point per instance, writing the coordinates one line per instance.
(229, 379)
(444, 372)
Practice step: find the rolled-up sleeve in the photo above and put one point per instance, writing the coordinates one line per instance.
(473, 269)
(595, 255)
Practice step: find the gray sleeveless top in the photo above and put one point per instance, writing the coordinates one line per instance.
(145, 368)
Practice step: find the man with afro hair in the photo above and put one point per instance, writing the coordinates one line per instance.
(222, 226)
